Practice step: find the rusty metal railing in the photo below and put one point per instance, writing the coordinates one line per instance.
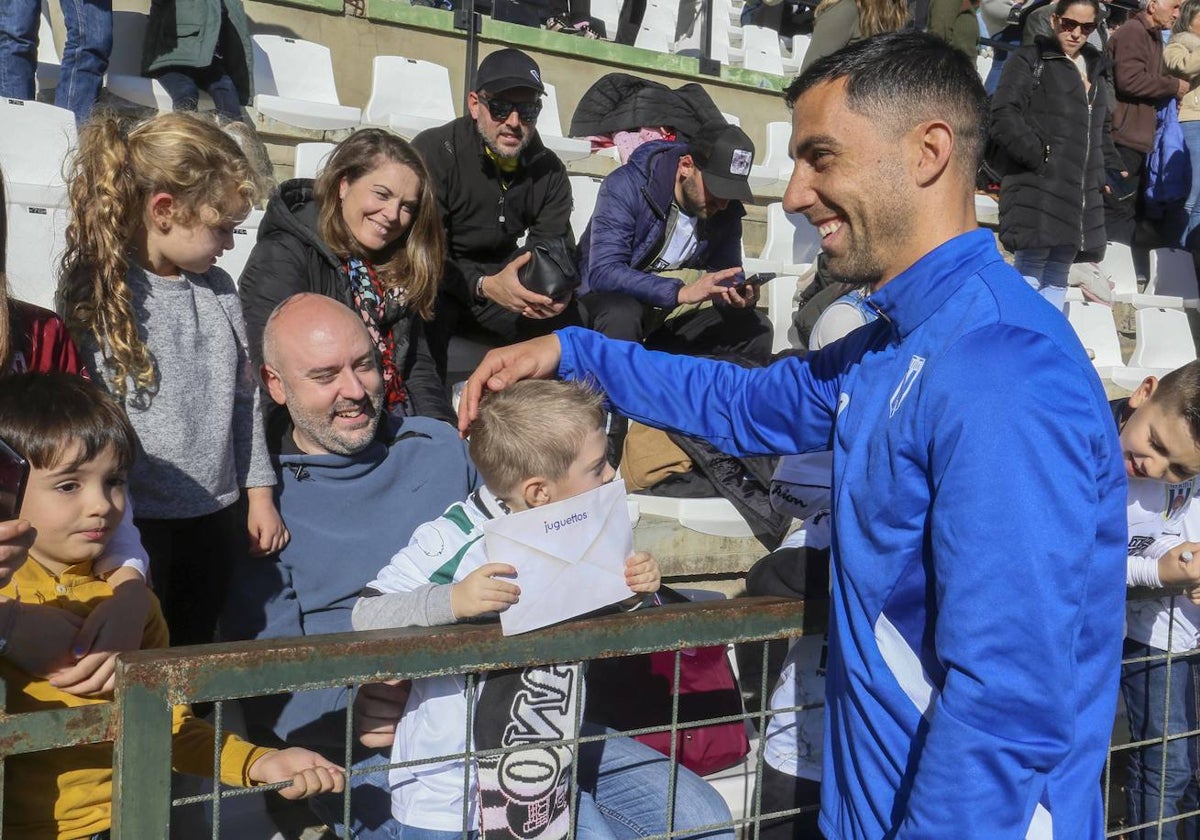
(149, 683)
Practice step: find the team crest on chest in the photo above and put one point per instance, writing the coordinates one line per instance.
(1177, 498)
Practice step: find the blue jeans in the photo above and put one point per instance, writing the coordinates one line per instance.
(1151, 783)
(184, 86)
(85, 55)
(1047, 269)
(589, 825)
(628, 782)
(1191, 139)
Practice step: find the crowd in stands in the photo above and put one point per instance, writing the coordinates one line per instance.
(200, 446)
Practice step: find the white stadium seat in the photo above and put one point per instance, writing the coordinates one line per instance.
(49, 63)
(244, 237)
(1097, 331)
(776, 166)
(409, 95)
(584, 190)
(293, 80)
(1164, 343)
(34, 145)
(310, 159)
(549, 127)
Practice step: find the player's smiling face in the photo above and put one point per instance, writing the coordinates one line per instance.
(841, 159)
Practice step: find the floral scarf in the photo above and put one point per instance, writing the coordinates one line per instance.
(380, 309)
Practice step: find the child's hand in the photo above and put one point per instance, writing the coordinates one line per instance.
(268, 534)
(482, 592)
(309, 773)
(117, 624)
(641, 572)
(378, 707)
(1181, 565)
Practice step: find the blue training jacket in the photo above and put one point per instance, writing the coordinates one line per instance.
(978, 549)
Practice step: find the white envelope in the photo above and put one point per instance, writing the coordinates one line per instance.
(569, 556)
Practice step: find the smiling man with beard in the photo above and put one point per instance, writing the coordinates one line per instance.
(354, 483)
(495, 183)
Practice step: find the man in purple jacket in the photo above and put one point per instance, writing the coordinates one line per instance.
(675, 206)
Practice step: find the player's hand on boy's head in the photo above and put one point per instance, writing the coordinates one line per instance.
(309, 773)
(642, 573)
(377, 709)
(268, 534)
(537, 358)
(484, 591)
(117, 624)
(1180, 566)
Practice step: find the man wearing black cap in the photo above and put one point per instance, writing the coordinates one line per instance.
(495, 183)
(675, 206)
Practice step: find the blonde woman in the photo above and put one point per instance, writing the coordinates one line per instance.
(367, 232)
(840, 22)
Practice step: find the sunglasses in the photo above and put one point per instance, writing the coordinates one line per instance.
(527, 112)
(1069, 25)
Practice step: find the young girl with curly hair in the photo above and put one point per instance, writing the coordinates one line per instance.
(161, 328)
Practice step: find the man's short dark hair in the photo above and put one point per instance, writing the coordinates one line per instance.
(905, 78)
(45, 416)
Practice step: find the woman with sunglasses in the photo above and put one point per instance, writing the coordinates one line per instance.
(1182, 57)
(367, 233)
(1050, 128)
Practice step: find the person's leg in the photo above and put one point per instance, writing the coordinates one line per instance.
(18, 47)
(781, 792)
(630, 785)
(615, 315)
(85, 55)
(182, 88)
(1030, 263)
(1056, 274)
(203, 553)
(716, 331)
(1156, 781)
(226, 100)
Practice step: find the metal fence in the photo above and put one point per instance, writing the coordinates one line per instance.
(149, 683)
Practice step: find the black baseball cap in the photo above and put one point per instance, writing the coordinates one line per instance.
(507, 69)
(724, 154)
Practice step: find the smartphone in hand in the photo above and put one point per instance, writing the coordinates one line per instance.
(754, 279)
(14, 474)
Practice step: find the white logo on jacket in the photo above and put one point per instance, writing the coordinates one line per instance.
(910, 376)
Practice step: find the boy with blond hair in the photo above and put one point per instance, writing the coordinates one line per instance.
(533, 444)
(80, 446)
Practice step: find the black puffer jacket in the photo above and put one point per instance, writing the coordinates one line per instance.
(483, 220)
(1052, 197)
(290, 257)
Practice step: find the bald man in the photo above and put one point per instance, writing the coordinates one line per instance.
(354, 483)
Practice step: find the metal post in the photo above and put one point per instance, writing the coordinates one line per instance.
(709, 66)
(141, 761)
(468, 19)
